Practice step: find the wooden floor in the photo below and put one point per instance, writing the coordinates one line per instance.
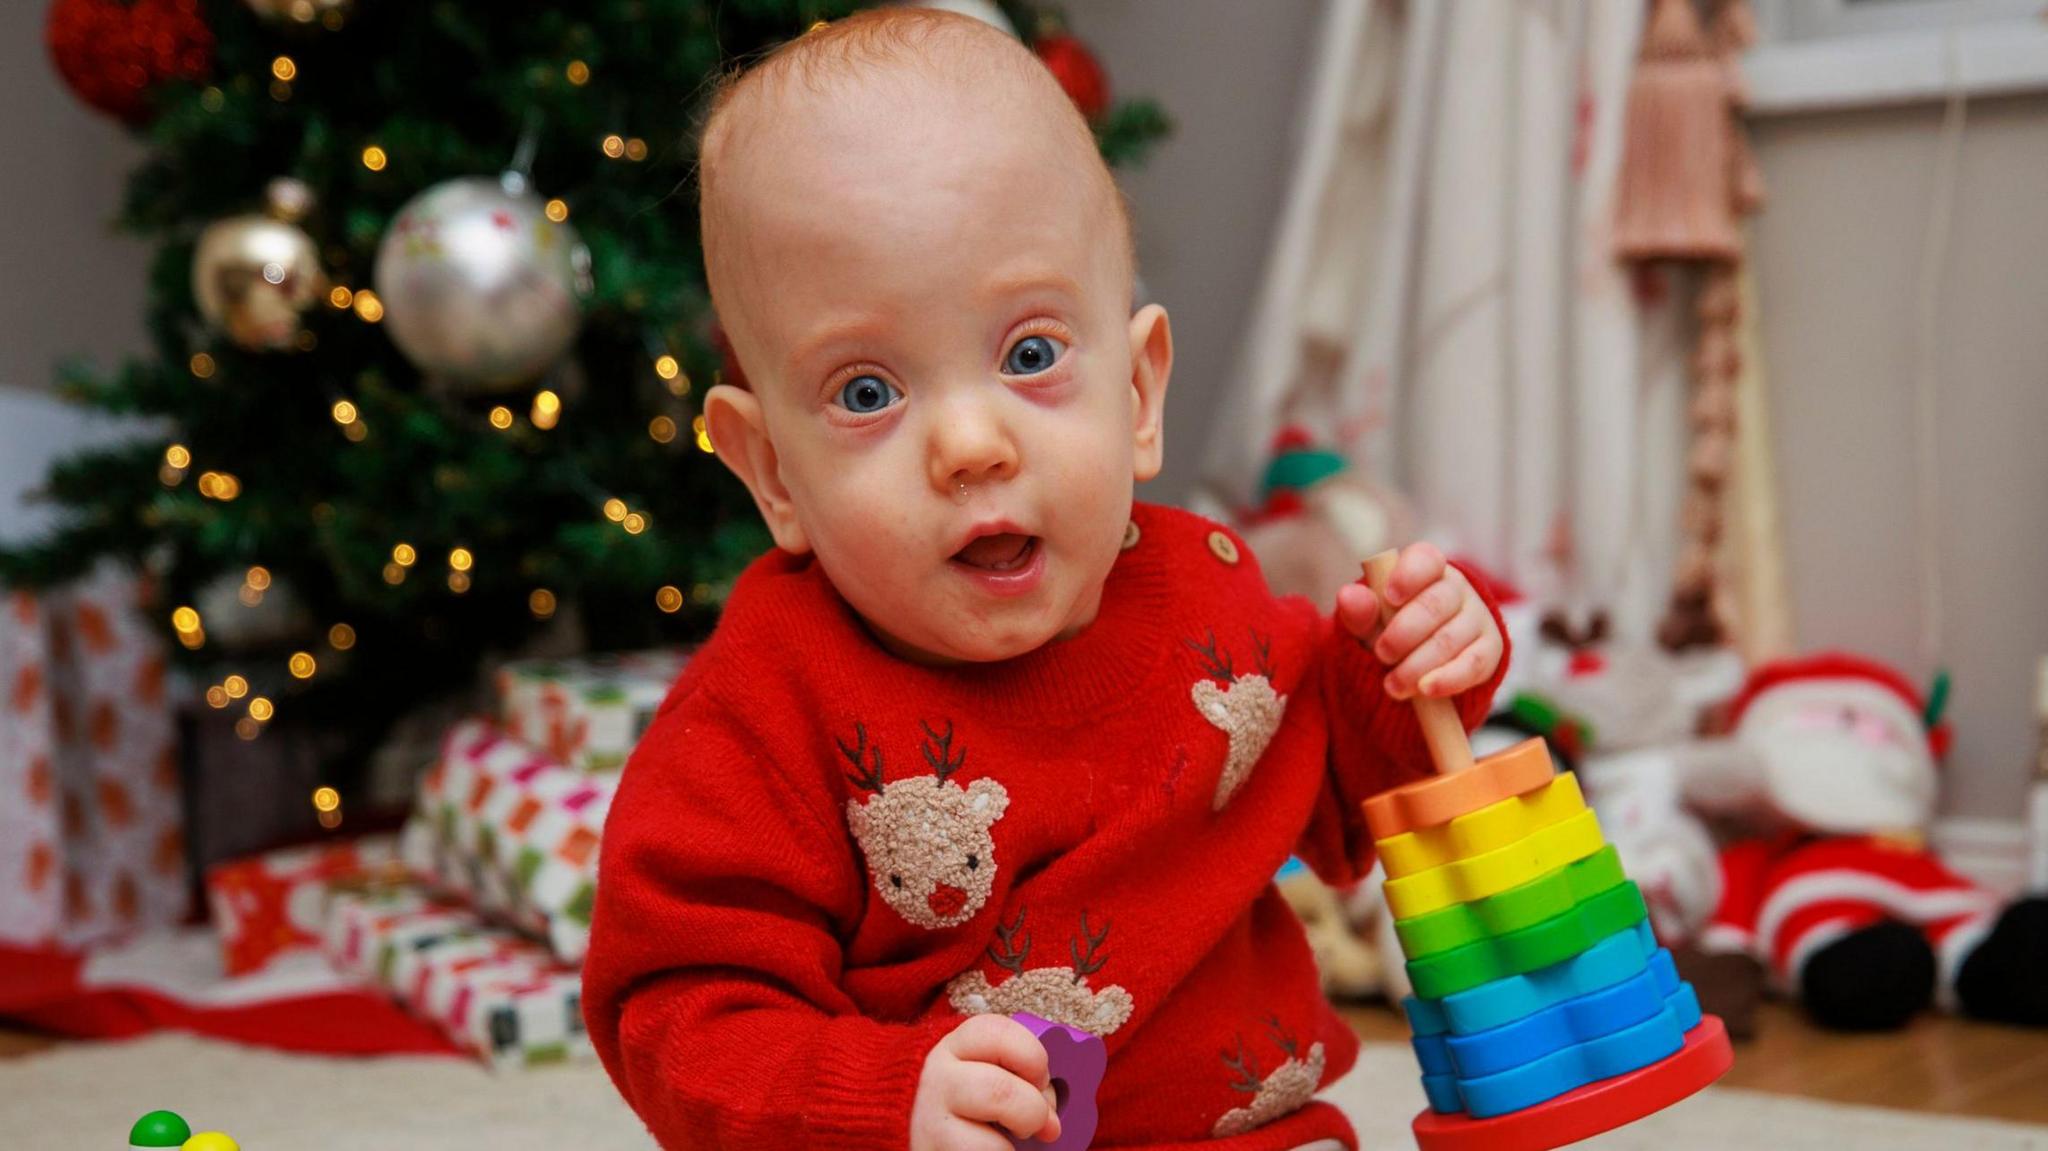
(1940, 1064)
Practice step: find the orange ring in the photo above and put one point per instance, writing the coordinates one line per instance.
(1517, 771)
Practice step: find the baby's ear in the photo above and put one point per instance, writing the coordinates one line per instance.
(740, 435)
(1151, 364)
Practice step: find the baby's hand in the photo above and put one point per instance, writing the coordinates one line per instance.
(1441, 639)
(989, 1070)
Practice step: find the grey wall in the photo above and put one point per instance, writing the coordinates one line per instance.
(1230, 73)
(66, 285)
(1837, 256)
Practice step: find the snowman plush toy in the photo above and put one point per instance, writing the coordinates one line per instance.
(1832, 770)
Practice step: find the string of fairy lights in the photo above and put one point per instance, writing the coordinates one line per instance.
(544, 413)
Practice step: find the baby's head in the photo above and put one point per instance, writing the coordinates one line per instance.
(925, 271)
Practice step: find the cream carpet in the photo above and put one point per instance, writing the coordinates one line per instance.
(86, 1095)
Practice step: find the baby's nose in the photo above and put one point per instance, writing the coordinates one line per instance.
(970, 445)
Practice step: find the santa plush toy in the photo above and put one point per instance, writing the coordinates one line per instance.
(1833, 765)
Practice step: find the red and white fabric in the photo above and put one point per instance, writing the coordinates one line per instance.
(91, 824)
(171, 980)
(497, 995)
(1840, 744)
(514, 830)
(1782, 901)
(273, 904)
(31, 841)
(588, 712)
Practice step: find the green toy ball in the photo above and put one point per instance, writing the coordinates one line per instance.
(159, 1129)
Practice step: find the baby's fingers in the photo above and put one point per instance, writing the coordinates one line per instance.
(1358, 610)
(1420, 618)
(1003, 1041)
(1438, 650)
(1468, 669)
(986, 1093)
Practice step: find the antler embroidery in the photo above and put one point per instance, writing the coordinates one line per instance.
(1264, 646)
(1088, 962)
(1216, 663)
(938, 750)
(1244, 1070)
(1286, 1088)
(1283, 1037)
(1010, 957)
(866, 776)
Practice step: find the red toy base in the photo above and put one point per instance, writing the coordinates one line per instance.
(1591, 1109)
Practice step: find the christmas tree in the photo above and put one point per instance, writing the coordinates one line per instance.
(428, 326)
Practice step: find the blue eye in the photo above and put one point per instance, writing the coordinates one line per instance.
(865, 395)
(1032, 355)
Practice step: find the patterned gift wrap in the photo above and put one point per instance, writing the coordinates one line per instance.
(587, 713)
(515, 831)
(496, 994)
(371, 934)
(31, 840)
(502, 997)
(91, 825)
(269, 904)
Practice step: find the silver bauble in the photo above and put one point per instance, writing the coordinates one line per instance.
(238, 617)
(480, 289)
(253, 277)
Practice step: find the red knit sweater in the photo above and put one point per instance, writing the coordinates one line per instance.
(821, 856)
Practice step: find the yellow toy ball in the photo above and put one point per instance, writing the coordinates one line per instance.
(210, 1141)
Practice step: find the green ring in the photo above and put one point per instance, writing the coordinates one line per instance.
(1534, 902)
(1532, 948)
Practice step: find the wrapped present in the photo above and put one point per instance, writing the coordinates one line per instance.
(513, 830)
(497, 994)
(587, 713)
(31, 840)
(502, 997)
(370, 933)
(267, 905)
(91, 824)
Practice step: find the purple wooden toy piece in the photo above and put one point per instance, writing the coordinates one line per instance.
(1078, 1061)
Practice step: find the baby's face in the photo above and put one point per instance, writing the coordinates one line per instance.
(950, 398)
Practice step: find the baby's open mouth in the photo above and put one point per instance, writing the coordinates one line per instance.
(998, 553)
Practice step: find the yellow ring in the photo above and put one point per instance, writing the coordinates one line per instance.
(1490, 828)
(1494, 872)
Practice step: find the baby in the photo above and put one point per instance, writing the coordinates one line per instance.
(981, 735)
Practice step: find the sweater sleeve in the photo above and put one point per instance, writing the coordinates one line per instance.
(712, 987)
(1375, 743)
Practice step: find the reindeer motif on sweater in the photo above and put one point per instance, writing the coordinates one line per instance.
(1060, 994)
(1286, 1089)
(926, 838)
(1246, 708)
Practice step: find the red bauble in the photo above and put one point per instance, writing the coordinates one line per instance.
(113, 52)
(1077, 70)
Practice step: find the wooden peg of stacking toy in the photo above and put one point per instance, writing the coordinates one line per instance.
(1077, 1062)
(1544, 1011)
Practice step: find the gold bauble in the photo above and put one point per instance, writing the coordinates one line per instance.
(300, 11)
(253, 277)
